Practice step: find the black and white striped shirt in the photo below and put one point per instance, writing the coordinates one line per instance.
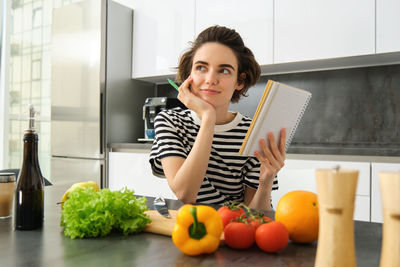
(227, 173)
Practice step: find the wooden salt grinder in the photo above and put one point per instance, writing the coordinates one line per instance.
(336, 194)
(390, 193)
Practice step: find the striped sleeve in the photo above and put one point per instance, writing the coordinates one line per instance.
(275, 185)
(167, 142)
(251, 172)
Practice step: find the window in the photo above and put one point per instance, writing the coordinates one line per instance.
(30, 76)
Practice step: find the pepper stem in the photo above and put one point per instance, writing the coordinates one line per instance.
(197, 230)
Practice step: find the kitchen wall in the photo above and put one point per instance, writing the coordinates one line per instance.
(124, 120)
(352, 111)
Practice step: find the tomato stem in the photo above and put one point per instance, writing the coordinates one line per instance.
(248, 210)
(233, 205)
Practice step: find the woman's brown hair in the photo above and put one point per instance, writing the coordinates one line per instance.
(247, 64)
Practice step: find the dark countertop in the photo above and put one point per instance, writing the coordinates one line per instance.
(49, 246)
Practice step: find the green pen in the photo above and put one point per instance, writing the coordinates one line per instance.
(173, 84)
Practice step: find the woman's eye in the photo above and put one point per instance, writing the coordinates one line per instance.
(225, 71)
(200, 68)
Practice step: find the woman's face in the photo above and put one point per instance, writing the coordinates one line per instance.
(214, 72)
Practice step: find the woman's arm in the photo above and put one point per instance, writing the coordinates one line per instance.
(257, 199)
(272, 160)
(185, 176)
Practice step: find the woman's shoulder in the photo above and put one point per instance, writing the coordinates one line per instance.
(176, 112)
(245, 120)
(175, 116)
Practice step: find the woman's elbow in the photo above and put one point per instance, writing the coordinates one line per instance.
(185, 198)
(182, 192)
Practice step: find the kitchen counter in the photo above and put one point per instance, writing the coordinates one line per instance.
(49, 246)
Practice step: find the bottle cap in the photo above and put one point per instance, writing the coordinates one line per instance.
(32, 113)
(7, 177)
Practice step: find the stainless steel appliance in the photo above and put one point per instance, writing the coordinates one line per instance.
(152, 106)
(91, 59)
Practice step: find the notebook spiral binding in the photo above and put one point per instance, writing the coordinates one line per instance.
(291, 135)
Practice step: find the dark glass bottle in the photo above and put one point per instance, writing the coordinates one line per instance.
(29, 193)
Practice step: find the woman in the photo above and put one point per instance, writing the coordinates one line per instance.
(197, 149)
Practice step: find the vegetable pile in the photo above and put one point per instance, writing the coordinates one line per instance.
(88, 213)
(198, 229)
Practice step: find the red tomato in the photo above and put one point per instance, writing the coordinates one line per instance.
(272, 237)
(257, 221)
(239, 235)
(229, 213)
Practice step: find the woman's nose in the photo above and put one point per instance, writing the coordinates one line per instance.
(211, 78)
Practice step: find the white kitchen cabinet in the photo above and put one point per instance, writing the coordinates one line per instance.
(387, 26)
(313, 29)
(253, 20)
(132, 170)
(161, 32)
(376, 202)
(300, 175)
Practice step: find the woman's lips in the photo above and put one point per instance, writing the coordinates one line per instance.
(209, 91)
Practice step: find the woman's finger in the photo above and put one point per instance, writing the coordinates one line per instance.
(274, 148)
(186, 83)
(263, 160)
(268, 154)
(184, 90)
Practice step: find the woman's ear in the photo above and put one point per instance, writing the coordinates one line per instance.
(241, 81)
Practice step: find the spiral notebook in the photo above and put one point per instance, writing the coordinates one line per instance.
(281, 106)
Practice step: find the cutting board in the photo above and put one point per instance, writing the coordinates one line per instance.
(163, 226)
(159, 224)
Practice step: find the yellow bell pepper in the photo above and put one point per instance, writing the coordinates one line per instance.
(197, 230)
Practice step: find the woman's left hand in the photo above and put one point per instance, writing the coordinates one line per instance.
(272, 158)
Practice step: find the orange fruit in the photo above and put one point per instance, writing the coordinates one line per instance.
(298, 211)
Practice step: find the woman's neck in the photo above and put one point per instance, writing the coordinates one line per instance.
(224, 116)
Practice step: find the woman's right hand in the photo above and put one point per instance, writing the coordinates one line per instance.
(193, 102)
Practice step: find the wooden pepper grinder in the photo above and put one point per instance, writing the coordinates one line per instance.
(390, 192)
(336, 194)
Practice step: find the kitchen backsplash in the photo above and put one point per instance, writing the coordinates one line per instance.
(352, 111)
